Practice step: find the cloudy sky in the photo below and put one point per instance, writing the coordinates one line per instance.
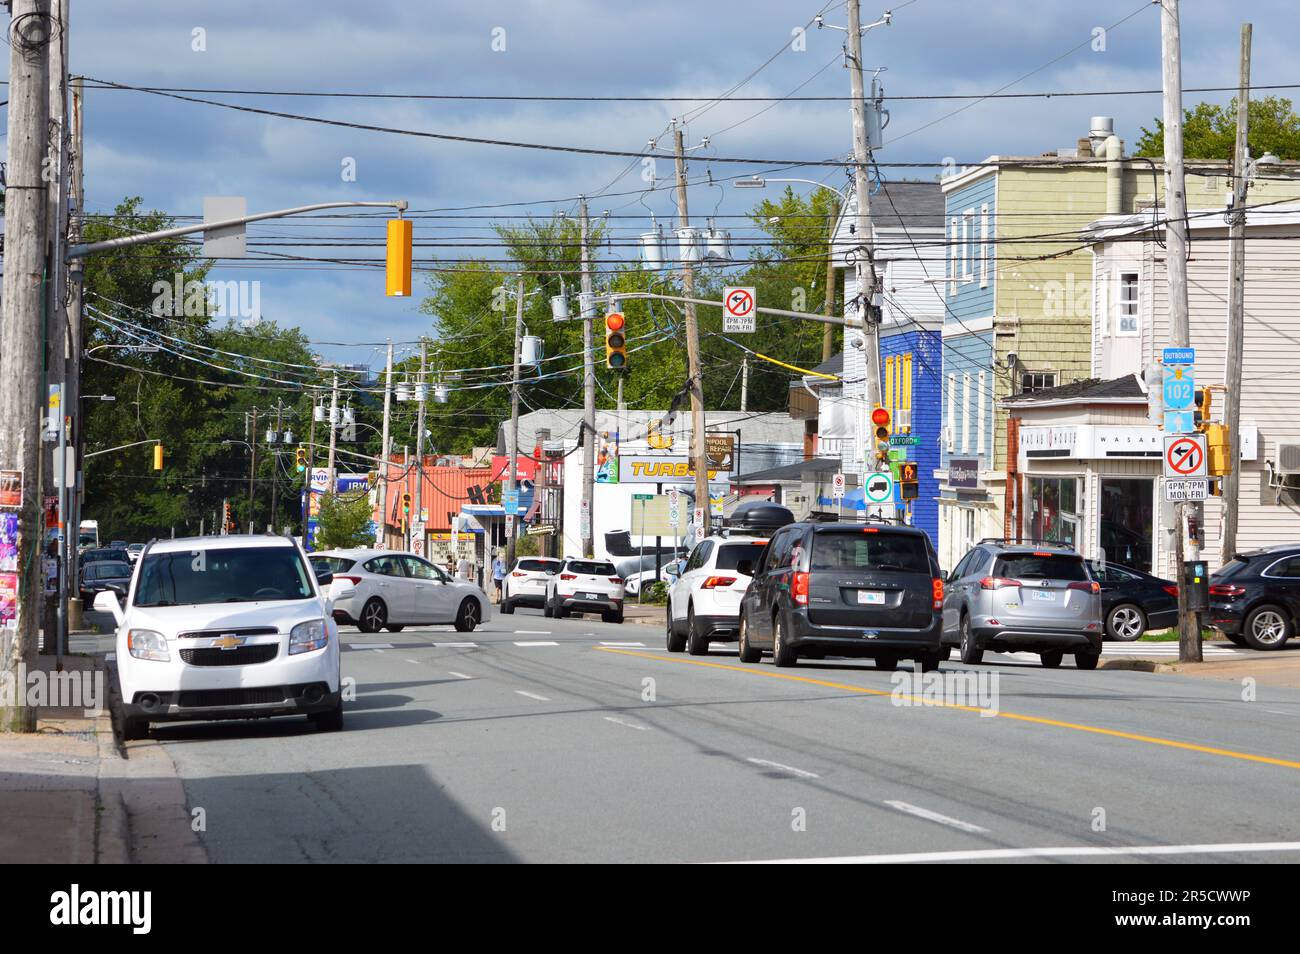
(174, 153)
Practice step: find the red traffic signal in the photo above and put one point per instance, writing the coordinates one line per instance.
(880, 419)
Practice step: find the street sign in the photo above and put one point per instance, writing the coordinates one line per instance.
(510, 501)
(1180, 489)
(643, 496)
(878, 488)
(699, 524)
(738, 307)
(1185, 456)
(904, 440)
(1179, 422)
(837, 485)
(1178, 356)
(1179, 387)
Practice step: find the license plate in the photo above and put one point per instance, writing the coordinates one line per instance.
(591, 596)
(871, 597)
(1041, 595)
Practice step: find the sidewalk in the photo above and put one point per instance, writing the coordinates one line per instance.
(1279, 669)
(72, 796)
(646, 614)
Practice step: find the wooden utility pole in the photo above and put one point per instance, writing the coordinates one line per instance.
(76, 274)
(828, 333)
(587, 309)
(306, 483)
(330, 484)
(511, 483)
(381, 491)
(422, 396)
(695, 383)
(252, 471)
(21, 332)
(1186, 543)
(1236, 306)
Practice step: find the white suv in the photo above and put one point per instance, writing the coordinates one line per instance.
(525, 585)
(585, 586)
(232, 627)
(704, 602)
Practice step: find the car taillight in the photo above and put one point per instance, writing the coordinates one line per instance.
(568, 576)
(997, 582)
(799, 588)
(1172, 590)
(1226, 589)
(354, 580)
(936, 590)
(716, 581)
(518, 573)
(616, 580)
(1091, 586)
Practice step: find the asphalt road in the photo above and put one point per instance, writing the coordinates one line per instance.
(568, 740)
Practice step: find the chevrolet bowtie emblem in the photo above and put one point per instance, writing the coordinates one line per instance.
(227, 642)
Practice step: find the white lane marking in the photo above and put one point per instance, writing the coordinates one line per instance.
(532, 632)
(622, 644)
(630, 725)
(532, 695)
(537, 642)
(110, 656)
(458, 675)
(936, 817)
(414, 662)
(1069, 851)
(784, 768)
(1277, 712)
(378, 646)
(455, 645)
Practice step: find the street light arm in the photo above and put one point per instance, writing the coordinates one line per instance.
(126, 241)
(110, 450)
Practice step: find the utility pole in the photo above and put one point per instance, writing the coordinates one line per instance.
(21, 332)
(1186, 545)
(275, 459)
(330, 484)
(422, 394)
(744, 380)
(252, 470)
(588, 309)
(1236, 307)
(511, 484)
(381, 492)
(306, 483)
(76, 273)
(864, 256)
(828, 333)
(695, 382)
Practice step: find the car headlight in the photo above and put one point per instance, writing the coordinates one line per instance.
(307, 637)
(147, 644)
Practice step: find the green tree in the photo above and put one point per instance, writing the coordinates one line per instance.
(344, 522)
(1210, 131)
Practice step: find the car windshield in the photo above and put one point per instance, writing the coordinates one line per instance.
(94, 556)
(730, 555)
(1041, 566)
(858, 550)
(108, 570)
(331, 564)
(592, 568)
(539, 566)
(236, 575)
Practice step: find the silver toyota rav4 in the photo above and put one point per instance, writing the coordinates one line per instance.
(1023, 597)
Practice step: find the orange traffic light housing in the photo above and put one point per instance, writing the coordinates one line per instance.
(157, 457)
(398, 271)
(615, 341)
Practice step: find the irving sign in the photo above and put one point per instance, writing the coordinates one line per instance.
(646, 469)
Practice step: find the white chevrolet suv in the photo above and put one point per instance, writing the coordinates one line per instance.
(704, 600)
(585, 586)
(230, 627)
(525, 584)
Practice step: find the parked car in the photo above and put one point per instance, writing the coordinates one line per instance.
(1255, 597)
(1133, 602)
(117, 545)
(384, 589)
(233, 627)
(525, 584)
(118, 555)
(632, 582)
(104, 575)
(585, 586)
(134, 550)
(845, 589)
(1036, 597)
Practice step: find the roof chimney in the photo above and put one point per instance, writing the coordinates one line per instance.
(1100, 128)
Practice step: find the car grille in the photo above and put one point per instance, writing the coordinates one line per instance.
(240, 656)
(205, 698)
(246, 631)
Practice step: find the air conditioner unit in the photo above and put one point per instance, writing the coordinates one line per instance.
(1288, 459)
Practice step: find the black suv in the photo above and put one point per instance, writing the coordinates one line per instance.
(845, 589)
(1255, 597)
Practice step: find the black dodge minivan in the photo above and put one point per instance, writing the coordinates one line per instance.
(845, 589)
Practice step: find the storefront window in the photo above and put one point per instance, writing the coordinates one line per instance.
(1053, 513)
(1127, 514)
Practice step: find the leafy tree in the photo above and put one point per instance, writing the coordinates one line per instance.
(344, 521)
(1210, 131)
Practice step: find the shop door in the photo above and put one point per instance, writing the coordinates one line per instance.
(1125, 529)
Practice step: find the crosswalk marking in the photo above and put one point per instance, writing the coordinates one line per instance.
(538, 642)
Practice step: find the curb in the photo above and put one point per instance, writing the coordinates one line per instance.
(1132, 665)
(113, 829)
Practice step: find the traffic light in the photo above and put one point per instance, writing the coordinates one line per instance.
(157, 456)
(1219, 448)
(615, 341)
(227, 524)
(1201, 416)
(880, 433)
(406, 505)
(908, 482)
(398, 279)
(300, 459)
(1216, 487)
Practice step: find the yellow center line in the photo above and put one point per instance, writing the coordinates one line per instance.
(1037, 720)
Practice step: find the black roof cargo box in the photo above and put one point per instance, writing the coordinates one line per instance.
(759, 517)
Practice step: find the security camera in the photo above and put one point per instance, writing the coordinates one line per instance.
(1011, 359)
(859, 342)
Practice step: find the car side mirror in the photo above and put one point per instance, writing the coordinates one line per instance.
(106, 601)
(671, 570)
(746, 567)
(324, 579)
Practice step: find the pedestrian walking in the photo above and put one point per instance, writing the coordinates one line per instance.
(465, 569)
(499, 573)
